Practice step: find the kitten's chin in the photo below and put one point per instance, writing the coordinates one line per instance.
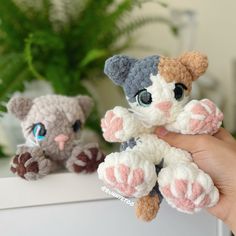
(149, 122)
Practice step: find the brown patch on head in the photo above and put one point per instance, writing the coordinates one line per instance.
(184, 69)
(172, 70)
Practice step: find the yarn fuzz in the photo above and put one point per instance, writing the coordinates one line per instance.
(157, 89)
(52, 128)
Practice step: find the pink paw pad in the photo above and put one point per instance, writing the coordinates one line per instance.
(124, 179)
(110, 125)
(186, 196)
(206, 117)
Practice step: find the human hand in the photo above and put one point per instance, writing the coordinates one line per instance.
(216, 155)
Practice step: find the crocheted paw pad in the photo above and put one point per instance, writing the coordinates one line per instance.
(87, 160)
(28, 167)
(124, 179)
(127, 174)
(190, 194)
(205, 117)
(111, 124)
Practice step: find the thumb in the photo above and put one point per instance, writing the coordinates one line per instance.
(190, 143)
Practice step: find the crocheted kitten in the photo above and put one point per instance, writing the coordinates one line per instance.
(52, 127)
(157, 89)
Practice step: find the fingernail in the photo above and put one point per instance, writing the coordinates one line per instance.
(161, 131)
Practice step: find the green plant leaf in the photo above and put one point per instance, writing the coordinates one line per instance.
(135, 24)
(33, 47)
(29, 57)
(2, 152)
(161, 3)
(93, 55)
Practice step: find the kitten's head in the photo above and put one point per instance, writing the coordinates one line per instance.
(156, 87)
(51, 121)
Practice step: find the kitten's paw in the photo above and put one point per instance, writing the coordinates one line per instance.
(205, 117)
(187, 188)
(85, 159)
(30, 164)
(111, 125)
(128, 175)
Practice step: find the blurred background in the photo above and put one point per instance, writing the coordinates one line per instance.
(59, 46)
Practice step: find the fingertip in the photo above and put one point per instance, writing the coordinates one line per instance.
(161, 132)
(186, 142)
(170, 137)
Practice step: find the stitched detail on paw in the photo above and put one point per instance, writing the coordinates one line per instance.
(88, 160)
(20, 165)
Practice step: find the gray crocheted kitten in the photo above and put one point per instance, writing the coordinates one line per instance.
(52, 127)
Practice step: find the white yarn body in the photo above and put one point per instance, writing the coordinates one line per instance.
(149, 151)
(132, 172)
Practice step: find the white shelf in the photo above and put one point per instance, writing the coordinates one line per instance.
(73, 188)
(52, 189)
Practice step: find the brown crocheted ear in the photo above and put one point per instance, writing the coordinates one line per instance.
(19, 106)
(86, 103)
(195, 62)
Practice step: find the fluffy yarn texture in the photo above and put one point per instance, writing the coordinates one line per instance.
(147, 207)
(157, 89)
(52, 128)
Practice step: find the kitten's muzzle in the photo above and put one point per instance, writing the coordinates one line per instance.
(61, 139)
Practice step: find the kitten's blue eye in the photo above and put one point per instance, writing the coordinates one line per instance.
(39, 131)
(144, 98)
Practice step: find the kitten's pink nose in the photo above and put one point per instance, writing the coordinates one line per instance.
(61, 139)
(164, 106)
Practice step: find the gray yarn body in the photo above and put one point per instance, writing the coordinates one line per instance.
(128, 144)
(58, 140)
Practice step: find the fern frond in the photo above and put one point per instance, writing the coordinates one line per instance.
(13, 75)
(29, 57)
(139, 22)
(92, 55)
(33, 48)
(14, 27)
(161, 3)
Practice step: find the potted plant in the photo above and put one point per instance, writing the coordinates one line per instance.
(63, 42)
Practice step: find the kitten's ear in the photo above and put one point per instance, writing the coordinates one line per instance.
(19, 106)
(118, 67)
(195, 62)
(86, 103)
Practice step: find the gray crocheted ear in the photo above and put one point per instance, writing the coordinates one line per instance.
(86, 103)
(118, 67)
(19, 106)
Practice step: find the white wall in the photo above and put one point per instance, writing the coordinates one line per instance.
(215, 35)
